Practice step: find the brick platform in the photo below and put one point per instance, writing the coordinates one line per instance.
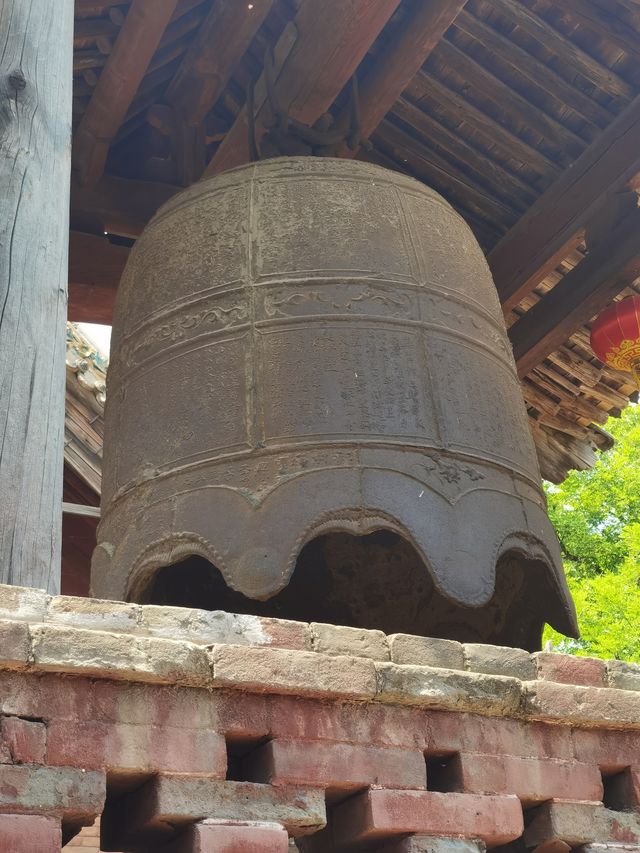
(196, 731)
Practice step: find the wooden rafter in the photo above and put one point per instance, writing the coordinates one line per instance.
(332, 38)
(551, 227)
(505, 185)
(122, 74)
(556, 43)
(497, 135)
(603, 17)
(560, 143)
(220, 43)
(403, 58)
(589, 287)
(542, 76)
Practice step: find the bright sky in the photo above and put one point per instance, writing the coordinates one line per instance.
(100, 336)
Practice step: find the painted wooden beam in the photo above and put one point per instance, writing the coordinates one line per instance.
(95, 268)
(392, 72)
(580, 295)
(122, 74)
(547, 232)
(36, 47)
(332, 38)
(211, 59)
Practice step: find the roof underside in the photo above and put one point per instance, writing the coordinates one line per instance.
(513, 94)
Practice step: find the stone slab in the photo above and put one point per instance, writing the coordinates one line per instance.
(448, 689)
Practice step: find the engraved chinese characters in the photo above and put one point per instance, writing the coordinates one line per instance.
(307, 346)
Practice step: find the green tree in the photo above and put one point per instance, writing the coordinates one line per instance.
(597, 516)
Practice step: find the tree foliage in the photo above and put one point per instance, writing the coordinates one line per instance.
(596, 514)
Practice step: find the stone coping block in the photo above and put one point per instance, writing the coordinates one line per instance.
(198, 648)
(22, 603)
(448, 689)
(355, 642)
(302, 673)
(60, 648)
(497, 660)
(426, 651)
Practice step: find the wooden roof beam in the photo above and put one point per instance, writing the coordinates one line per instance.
(332, 38)
(118, 205)
(580, 295)
(220, 43)
(122, 74)
(95, 267)
(551, 227)
(392, 72)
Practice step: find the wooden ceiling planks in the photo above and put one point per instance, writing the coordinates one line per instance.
(544, 234)
(565, 50)
(542, 131)
(504, 185)
(481, 130)
(537, 73)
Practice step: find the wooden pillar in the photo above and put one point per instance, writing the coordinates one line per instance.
(36, 45)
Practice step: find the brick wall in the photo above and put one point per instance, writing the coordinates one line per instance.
(194, 731)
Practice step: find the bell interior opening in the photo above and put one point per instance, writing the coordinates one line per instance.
(375, 581)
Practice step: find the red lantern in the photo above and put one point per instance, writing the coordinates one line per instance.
(615, 336)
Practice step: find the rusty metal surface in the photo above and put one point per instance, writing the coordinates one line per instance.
(304, 346)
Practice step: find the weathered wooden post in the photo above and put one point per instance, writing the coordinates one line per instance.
(36, 45)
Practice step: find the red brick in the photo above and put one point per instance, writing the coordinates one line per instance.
(29, 834)
(452, 732)
(568, 669)
(336, 765)
(310, 719)
(531, 780)
(44, 696)
(213, 836)
(120, 746)
(611, 750)
(378, 814)
(27, 740)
